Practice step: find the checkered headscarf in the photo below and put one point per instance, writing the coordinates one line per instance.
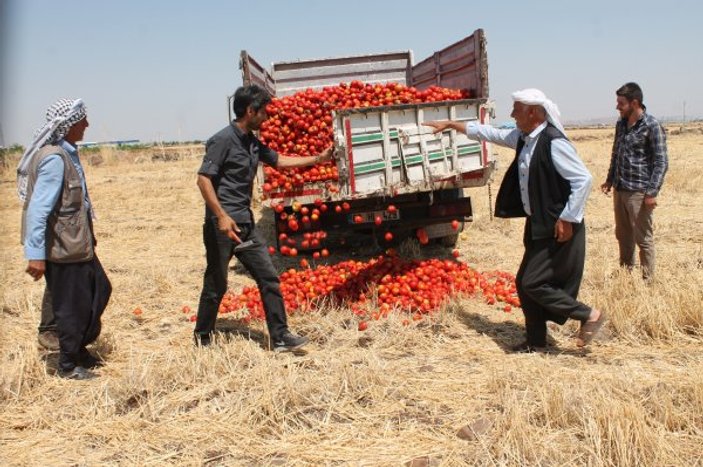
(60, 117)
(66, 112)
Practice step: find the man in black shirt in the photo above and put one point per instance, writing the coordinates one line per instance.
(226, 180)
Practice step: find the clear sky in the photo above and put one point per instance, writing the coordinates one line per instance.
(161, 69)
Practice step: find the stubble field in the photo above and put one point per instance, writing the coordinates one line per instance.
(437, 392)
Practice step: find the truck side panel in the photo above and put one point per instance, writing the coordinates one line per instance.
(253, 73)
(292, 77)
(462, 65)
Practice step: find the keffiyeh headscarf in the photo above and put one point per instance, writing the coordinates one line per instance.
(60, 117)
(536, 97)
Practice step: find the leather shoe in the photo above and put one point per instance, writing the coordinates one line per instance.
(202, 340)
(78, 373)
(87, 360)
(526, 347)
(49, 340)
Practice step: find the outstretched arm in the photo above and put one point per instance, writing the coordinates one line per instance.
(442, 125)
(477, 132)
(290, 162)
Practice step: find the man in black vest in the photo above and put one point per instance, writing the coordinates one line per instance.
(548, 184)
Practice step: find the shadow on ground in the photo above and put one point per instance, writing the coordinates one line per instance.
(507, 334)
(228, 329)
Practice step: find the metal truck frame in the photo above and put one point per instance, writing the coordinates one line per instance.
(384, 154)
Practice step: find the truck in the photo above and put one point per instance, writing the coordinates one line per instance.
(384, 155)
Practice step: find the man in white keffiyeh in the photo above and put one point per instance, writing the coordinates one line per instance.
(548, 184)
(535, 97)
(58, 238)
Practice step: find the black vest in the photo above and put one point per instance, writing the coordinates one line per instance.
(548, 191)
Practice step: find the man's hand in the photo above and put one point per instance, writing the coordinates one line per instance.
(227, 226)
(438, 126)
(650, 201)
(36, 268)
(605, 188)
(326, 155)
(563, 231)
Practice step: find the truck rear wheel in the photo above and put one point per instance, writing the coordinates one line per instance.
(449, 240)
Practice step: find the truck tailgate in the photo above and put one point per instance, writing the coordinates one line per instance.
(386, 151)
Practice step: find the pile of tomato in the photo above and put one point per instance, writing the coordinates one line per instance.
(374, 288)
(301, 124)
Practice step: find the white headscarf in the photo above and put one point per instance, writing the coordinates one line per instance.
(533, 96)
(60, 117)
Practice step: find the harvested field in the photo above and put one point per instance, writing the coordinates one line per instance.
(437, 392)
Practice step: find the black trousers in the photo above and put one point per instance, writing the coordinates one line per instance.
(548, 282)
(219, 250)
(79, 294)
(48, 321)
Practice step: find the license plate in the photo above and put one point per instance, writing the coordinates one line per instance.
(370, 216)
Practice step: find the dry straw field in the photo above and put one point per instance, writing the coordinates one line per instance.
(439, 392)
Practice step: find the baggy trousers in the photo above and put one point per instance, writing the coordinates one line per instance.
(79, 294)
(548, 282)
(48, 322)
(219, 250)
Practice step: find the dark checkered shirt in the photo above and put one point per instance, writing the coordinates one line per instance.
(639, 160)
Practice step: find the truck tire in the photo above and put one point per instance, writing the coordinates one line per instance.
(449, 240)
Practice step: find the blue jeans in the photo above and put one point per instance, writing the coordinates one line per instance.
(219, 250)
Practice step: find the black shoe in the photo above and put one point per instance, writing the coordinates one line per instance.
(202, 340)
(87, 360)
(289, 342)
(78, 373)
(526, 347)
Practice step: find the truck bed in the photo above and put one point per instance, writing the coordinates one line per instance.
(385, 151)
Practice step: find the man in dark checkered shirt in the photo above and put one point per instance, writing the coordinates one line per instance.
(637, 167)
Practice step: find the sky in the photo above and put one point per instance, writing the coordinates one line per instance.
(161, 70)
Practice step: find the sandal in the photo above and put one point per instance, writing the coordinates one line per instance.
(589, 329)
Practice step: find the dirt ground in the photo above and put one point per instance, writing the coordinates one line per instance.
(438, 392)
